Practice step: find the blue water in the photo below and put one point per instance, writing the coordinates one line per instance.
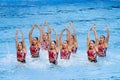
(22, 14)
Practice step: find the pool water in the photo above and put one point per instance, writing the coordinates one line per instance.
(22, 14)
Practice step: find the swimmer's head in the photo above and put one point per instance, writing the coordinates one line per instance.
(35, 40)
(91, 44)
(20, 46)
(45, 36)
(65, 44)
(53, 44)
(102, 39)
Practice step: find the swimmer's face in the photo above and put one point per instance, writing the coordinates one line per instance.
(91, 44)
(45, 36)
(65, 44)
(102, 39)
(34, 41)
(52, 45)
(20, 46)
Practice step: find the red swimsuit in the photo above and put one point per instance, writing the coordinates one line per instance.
(91, 53)
(74, 49)
(52, 57)
(102, 50)
(21, 56)
(34, 51)
(64, 54)
(44, 45)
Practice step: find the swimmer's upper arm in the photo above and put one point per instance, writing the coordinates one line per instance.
(49, 33)
(69, 49)
(96, 48)
(88, 39)
(57, 50)
(68, 27)
(40, 33)
(30, 34)
(60, 38)
(76, 44)
(57, 41)
(68, 36)
(74, 31)
(23, 42)
(95, 33)
(43, 28)
(16, 39)
(108, 34)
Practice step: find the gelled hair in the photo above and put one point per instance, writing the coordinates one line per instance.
(73, 36)
(46, 33)
(93, 41)
(67, 41)
(103, 36)
(36, 38)
(21, 43)
(54, 41)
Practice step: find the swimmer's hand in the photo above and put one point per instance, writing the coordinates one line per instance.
(35, 25)
(106, 26)
(46, 22)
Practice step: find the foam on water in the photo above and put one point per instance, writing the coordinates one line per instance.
(80, 58)
(77, 63)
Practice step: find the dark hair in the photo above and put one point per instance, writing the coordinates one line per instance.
(72, 35)
(93, 41)
(21, 43)
(36, 38)
(46, 33)
(103, 36)
(54, 41)
(67, 41)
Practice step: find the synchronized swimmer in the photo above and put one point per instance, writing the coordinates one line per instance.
(98, 47)
(69, 46)
(20, 48)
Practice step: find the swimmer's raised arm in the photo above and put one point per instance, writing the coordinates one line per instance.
(68, 27)
(48, 30)
(49, 33)
(22, 35)
(88, 37)
(16, 39)
(23, 42)
(108, 34)
(74, 31)
(95, 33)
(40, 37)
(73, 27)
(68, 35)
(42, 29)
(30, 34)
(57, 42)
(45, 23)
(60, 42)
